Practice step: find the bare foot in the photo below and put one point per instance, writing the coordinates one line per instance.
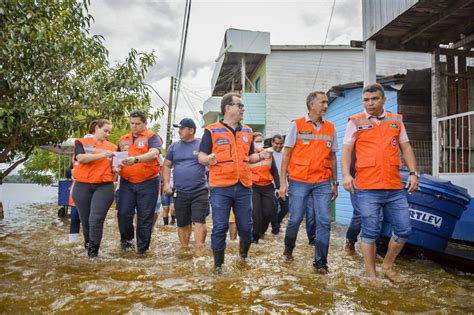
(392, 275)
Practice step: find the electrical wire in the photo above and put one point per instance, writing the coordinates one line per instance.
(184, 36)
(325, 39)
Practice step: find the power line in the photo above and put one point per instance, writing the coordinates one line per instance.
(182, 52)
(325, 39)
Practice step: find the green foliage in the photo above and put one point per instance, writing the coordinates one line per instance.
(55, 78)
(44, 167)
(156, 127)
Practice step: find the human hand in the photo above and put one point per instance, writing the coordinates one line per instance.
(283, 191)
(412, 183)
(349, 183)
(108, 154)
(211, 159)
(334, 192)
(167, 189)
(264, 154)
(129, 161)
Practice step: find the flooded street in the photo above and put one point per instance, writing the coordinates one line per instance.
(41, 272)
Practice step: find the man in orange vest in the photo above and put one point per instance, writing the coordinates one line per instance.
(227, 148)
(309, 159)
(139, 182)
(378, 136)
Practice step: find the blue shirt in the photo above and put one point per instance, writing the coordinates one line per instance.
(189, 175)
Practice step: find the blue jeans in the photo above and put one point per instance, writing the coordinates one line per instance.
(321, 193)
(75, 226)
(222, 199)
(142, 197)
(310, 221)
(394, 205)
(356, 221)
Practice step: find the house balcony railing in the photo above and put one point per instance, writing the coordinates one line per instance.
(456, 143)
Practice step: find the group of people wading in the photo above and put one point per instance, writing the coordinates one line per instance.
(228, 171)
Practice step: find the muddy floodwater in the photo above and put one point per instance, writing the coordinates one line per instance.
(40, 272)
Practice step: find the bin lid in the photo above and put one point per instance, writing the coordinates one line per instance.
(441, 185)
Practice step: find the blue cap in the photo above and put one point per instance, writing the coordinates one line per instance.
(186, 122)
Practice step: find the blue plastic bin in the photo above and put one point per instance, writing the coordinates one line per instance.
(435, 209)
(464, 230)
(63, 192)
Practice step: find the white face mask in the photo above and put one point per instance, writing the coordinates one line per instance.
(258, 145)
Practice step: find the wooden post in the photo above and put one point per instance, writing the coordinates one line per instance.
(370, 75)
(435, 90)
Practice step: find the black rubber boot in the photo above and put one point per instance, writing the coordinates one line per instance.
(218, 260)
(173, 220)
(244, 249)
(289, 246)
(93, 250)
(165, 220)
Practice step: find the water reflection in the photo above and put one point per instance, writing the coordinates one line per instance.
(41, 272)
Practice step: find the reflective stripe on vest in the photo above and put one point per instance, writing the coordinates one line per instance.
(142, 171)
(98, 171)
(232, 154)
(262, 172)
(378, 152)
(310, 159)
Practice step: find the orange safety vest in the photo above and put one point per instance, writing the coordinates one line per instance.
(377, 152)
(310, 160)
(142, 171)
(232, 154)
(98, 171)
(262, 172)
(71, 202)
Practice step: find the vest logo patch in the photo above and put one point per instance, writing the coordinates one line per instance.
(245, 138)
(141, 145)
(305, 141)
(223, 141)
(394, 142)
(365, 127)
(329, 144)
(394, 126)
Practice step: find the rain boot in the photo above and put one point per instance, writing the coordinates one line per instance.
(218, 260)
(288, 253)
(93, 250)
(244, 249)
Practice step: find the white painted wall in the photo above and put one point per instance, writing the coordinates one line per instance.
(291, 76)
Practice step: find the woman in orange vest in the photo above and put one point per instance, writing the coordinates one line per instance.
(93, 190)
(264, 174)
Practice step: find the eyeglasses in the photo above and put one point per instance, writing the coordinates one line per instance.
(240, 105)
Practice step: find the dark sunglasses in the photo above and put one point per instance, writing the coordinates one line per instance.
(240, 105)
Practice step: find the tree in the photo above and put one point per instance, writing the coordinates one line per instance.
(55, 78)
(43, 167)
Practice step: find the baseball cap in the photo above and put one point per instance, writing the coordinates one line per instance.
(186, 122)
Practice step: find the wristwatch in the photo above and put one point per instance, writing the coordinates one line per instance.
(136, 160)
(335, 183)
(415, 173)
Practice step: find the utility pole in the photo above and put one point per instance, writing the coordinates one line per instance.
(170, 113)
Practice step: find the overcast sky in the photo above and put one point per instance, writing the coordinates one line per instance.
(155, 25)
